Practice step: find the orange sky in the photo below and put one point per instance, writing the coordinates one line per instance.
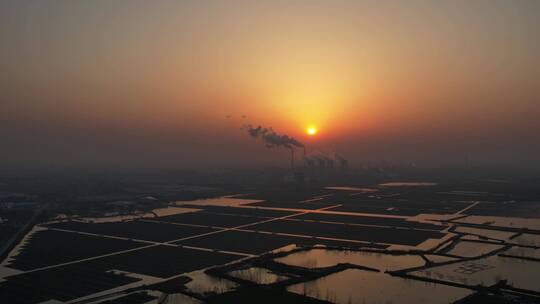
(380, 79)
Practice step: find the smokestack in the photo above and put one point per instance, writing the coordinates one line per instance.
(292, 159)
(321, 162)
(309, 162)
(329, 163)
(342, 161)
(271, 138)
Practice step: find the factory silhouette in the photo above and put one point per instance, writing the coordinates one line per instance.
(312, 165)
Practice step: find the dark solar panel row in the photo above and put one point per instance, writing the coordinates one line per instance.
(258, 243)
(367, 220)
(150, 231)
(72, 281)
(351, 232)
(51, 247)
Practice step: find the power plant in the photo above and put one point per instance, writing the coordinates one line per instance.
(314, 165)
(317, 165)
(321, 160)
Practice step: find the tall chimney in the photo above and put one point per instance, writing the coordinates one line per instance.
(292, 158)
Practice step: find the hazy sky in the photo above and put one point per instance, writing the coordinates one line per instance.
(145, 83)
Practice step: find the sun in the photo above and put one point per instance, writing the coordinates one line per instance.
(311, 131)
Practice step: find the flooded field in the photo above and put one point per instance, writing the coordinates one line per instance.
(439, 258)
(227, 201)
(524, 252)
(359, 286)
(486, 233)
(258, 275)
(472, 249)
(489, 271)
(527, 240)
(204, 284)
(508, 222)
(407, 242)
(407, 184)
(320, 258)
(355, 189)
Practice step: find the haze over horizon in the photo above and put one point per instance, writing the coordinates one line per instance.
(134, 83)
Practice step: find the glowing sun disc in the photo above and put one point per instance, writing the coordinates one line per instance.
(311, 130)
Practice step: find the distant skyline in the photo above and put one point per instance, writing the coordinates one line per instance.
(170, 83)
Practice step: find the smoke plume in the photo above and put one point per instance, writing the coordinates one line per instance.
(272, 139)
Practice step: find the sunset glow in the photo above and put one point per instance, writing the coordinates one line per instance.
(183, 77)
(153, 122)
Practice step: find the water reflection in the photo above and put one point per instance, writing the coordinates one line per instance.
(524, 252)
(359, 286)
(319, 258)
(527, 240)
(258, 275)
(472, 249)
(487, 233)
(226, 201)
(439, 258)
(175, 298)
(407, 184)
(204, 284)
(356, 189)
(488, 271)
(511, 222)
